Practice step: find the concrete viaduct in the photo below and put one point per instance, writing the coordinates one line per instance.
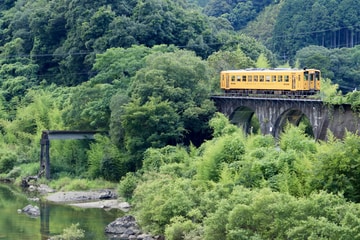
(274, 113)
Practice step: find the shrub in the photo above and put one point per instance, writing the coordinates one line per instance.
(14, 173)
(127, 185)
(178, 228)
(7, 161)
(106, 161)
(159, 200)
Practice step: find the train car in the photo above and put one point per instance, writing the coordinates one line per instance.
(277, 81)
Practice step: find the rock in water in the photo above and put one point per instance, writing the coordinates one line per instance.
(31, 210)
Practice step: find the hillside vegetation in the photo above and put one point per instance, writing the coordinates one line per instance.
(143, 71)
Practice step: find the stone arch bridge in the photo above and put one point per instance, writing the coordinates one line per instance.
(274, 113)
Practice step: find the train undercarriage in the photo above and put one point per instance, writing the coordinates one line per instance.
(271, 93)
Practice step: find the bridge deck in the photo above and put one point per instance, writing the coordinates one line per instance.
(266, 98)
(57, 134)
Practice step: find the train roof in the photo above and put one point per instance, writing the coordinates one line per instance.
(248, 70)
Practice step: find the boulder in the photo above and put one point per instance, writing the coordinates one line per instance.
(106, 195)
(31, 210)
(126, 228)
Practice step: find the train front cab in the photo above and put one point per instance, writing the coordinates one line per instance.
(312, 79)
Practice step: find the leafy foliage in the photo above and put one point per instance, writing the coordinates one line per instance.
(105, 160)
(7, 161)
(174, 197)
(179, 228)
(354, 99)
(260, 191)
(169, 103)
(73, 232)
(154, 124)
(339, 172)
(239, 13)
(127, 185)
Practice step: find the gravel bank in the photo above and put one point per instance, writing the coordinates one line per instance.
(88, 199)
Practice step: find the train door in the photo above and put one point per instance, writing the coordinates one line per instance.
(312, 81)
(227, 81)
(317, 80)
(293, 81)
(306, 80)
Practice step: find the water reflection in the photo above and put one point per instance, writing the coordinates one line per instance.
(53, 218)
(44, 220)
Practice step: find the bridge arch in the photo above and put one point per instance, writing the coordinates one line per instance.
(292, 116)
(246, 118)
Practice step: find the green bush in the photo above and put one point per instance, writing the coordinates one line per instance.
(14, 173)
(154, 158)
(160, 199)
(106, 161)
(127, 185)
(29, 169)
(178, 228)
(7, 162)
(110, 169)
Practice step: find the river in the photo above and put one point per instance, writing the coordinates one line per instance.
(52, 220)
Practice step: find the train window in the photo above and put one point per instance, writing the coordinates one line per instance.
(317, 76)
(267, 78)
(261, 78)
(311, 77)
(286, 78)
(255, 78)
(249, 78)
(306, 76)
(280, 78)
(238, 78)
(273, 78)
(233, 78)
(244, 78)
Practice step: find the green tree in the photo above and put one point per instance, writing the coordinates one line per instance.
(162, 198)
(39, 111)
(155, 158)
(337, 170)
(262, 62)
(18, 73)
(89, 107)
(153, 124)
(221, 125)
(105, 160)
(225, 60)
(239, 13)
(262, 27)
(181, 79)
(117, 65)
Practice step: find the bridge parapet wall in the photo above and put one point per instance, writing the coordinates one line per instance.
(342, 119)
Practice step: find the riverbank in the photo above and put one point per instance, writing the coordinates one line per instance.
(105, 198)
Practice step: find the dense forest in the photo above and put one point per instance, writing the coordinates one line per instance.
(143, 72)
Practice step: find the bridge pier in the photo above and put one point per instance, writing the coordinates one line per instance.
(45, 154)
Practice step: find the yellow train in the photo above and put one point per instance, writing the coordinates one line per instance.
(278, 81)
